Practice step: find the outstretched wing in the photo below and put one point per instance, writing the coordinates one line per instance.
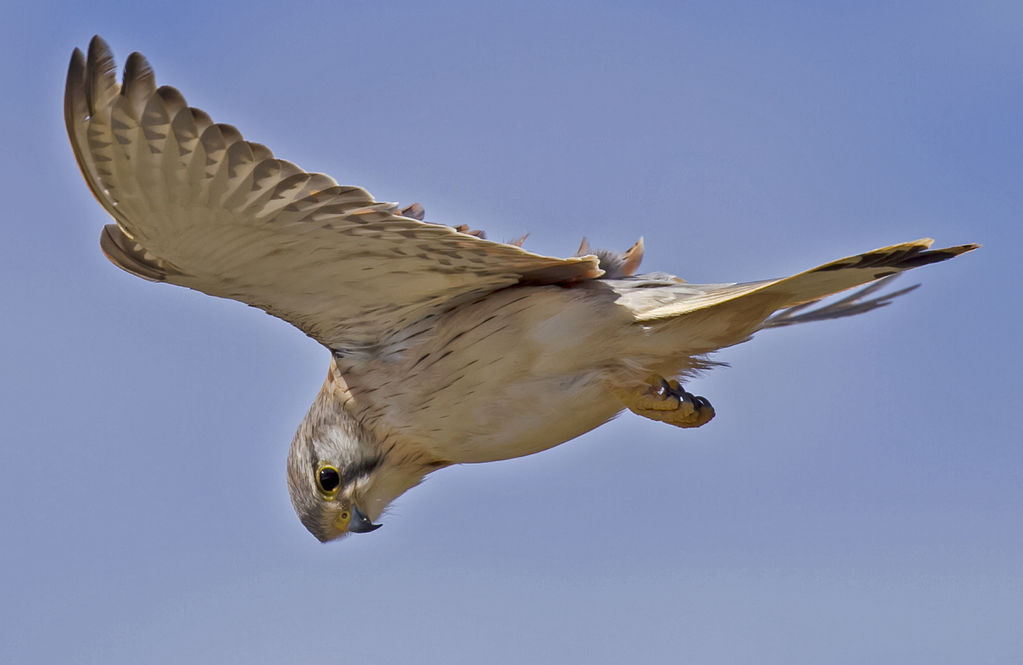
(198, 206)
(708, 317)
(673, 300)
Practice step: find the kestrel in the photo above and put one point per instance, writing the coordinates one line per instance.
(445, 348)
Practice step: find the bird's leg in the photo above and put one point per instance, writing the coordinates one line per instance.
(667, 402)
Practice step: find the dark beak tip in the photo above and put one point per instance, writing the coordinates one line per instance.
(360, 523)
(364, 527)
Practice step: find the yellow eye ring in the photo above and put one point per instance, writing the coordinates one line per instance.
(328, 480)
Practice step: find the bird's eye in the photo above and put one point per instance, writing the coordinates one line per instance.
(328, 478)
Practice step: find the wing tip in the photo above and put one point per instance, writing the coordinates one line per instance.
(962, 249)
(75, 105)
(100, 73)
(935, 255)
(119, 250)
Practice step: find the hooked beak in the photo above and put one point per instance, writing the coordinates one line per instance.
(360, 523)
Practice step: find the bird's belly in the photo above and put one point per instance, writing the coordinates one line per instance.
(517, 373)
(526, 418)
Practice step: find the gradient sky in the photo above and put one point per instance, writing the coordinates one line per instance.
(859, 498)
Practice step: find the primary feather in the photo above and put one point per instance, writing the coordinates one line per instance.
(197, 205)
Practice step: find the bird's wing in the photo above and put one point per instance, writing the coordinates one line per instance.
(671, 300)
(198, 206)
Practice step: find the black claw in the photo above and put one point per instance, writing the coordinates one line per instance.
(697, 401)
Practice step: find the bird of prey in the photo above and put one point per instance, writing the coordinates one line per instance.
(445, 347)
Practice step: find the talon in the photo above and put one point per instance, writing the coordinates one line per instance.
(666, 401)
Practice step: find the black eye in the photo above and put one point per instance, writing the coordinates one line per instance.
(328, 478)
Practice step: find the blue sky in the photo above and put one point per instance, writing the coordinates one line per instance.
(858, 498)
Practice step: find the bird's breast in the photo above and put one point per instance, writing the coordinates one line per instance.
(515, 373)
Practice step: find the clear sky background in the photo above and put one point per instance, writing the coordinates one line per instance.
(859, 498)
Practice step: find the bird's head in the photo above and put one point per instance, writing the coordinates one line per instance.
(339, 477)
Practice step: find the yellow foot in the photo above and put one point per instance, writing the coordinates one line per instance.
(667, 402)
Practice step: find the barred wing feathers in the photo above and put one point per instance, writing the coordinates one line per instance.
(198, 206)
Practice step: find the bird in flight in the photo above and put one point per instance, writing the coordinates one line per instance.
(445, 347)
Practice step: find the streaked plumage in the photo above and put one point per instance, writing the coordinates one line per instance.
(446, 347)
